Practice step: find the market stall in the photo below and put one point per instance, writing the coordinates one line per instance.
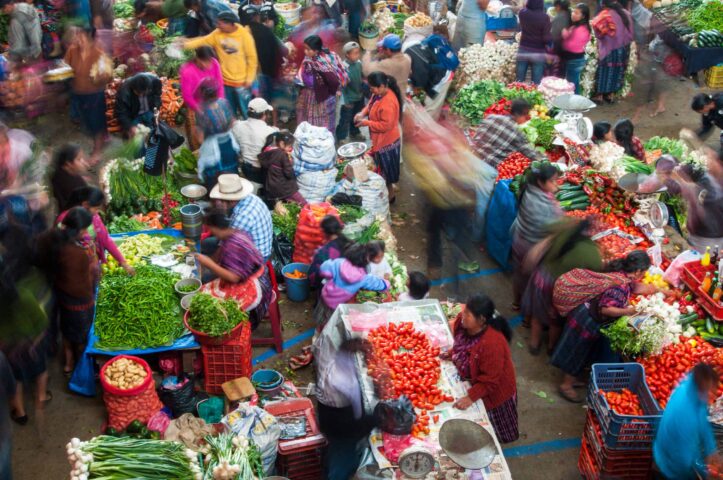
(419, 453)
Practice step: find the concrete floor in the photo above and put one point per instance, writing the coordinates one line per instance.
(550, 427)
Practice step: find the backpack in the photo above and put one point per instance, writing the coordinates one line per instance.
(446, 57)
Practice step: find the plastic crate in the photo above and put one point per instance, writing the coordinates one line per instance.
(614, 462)
(714, 76)
(299, 458)
(222, 363)
(497, 23)
(711, 306)
(693, 274)
(624, 432)
(590, 470)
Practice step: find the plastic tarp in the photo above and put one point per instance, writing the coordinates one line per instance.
(83, 379)
(503, 209)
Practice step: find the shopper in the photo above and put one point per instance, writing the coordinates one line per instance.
(710, 108)
(344, 278)
(703, 195)
(481, 353)
(536, 38)
(382, 115)
(93, 200)
(538, 211)
(206, 14)
(238, 269)
(471, 26)
(390, 60)
(334, 245)
(625, 137)
(248, 212)
(24, 34)
(236, 53)
(275, 160)
(684, 440)
(560, 21)
(320, 76)
(92, 69)
(352, 94)
(602, 132)
(219, 151)
(69, 165)
(251, 135)
(270, 50)
(613, 29)
(590, 300)
(569, 247)
(137, 99)
(574, 40)
(203, 67)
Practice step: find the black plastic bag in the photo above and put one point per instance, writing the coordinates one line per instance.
(344, 199)
(181, 400)
(283, 252)
(160, 142)
(395, 416)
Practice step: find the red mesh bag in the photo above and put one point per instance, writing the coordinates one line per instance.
(673, 65)
(309, 235)
(125, 405)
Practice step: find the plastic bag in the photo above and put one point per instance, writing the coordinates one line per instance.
(502, 208)
(260, 426)
(180, 400)
(314, 149)
(160, 421)
(395, 416)
(672, 273)
(316, 186)
(374, 193)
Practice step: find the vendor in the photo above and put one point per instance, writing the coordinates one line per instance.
(69, 166)
(625, 137)
(703, 195)
(239, 267)
(334, 244)
(248, 212)
(539, 209)
(685, 435)
(497, 137)
(481, 353)
(251, 135)
(602, 132)
(276, 161)
(570, 247)
(710, 108)
(589, 300)
(471, 26)
(136, 100)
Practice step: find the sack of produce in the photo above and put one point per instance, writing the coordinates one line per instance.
(375, 197)
(316, 186)
(177, 394)
(309, 235)
(258, 425)
(314, 149)
(128, 391)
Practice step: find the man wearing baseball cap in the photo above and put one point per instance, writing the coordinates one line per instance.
(236, 53)
(251, 135)
(390, 60)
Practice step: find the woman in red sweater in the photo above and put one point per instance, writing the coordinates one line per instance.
(383, 113)
(481, 353)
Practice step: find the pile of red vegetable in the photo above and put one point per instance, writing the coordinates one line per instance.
(663, 372)
(624, 402)
(500, 107)
(513, 165)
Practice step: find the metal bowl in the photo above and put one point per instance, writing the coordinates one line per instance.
(467, 443)
(352, 150)
(573, 103)
(194, 191)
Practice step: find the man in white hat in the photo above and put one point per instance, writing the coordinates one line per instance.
(251, 135)
(248, 213)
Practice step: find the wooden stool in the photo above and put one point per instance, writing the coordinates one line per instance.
(276, 340)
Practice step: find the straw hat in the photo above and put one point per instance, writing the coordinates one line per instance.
(231, 187)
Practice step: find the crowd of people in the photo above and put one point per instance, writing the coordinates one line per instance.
(233, 88)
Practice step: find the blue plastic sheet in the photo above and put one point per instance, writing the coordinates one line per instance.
(83, 379)
(501, 214)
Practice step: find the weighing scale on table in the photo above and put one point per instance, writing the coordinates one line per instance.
(573, 124)
(352, 151)
(193, 192)
(466, 443)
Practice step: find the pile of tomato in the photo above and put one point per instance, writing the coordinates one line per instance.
(663, 372)
(624, 402)
(500, 107)
(614, 246)
(402, 361)
(513, 165)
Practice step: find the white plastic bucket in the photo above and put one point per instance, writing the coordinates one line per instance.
(290, 11)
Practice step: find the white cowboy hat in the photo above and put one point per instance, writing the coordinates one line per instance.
(231, 187)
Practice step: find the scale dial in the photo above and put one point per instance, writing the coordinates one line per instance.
(416, 462)
(658, 215)
(584, 129)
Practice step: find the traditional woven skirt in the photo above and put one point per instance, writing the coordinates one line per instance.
(387, 160)
(318, 114)
(577, 344)
(504, 420)
(611, 71)
(76, 316)
(537, 299)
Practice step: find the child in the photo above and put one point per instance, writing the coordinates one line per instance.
(378, 265)
(275, 160)
(352, 95)
(417, 287)
(345, 277)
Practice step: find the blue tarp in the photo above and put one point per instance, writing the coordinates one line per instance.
(83, 379)
(501, 213)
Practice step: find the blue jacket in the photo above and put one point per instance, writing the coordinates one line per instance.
(685, 434)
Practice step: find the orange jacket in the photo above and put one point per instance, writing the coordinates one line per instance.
(383, 120)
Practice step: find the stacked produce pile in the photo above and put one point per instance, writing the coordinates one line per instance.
(213, 316)
(171, 103)
(698, 22)
(111, 90)
(657, 146)
(492, 61)
(476, 100)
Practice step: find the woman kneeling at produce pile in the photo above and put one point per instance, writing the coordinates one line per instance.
(589, 300)
(335, 243)
(74, 269)
(538, 210)
(93, 199)
(239, 266)
(482, 356)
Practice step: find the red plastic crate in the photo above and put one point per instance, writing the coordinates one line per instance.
(614, 462)
(693, 274)
(590, 470)
(299, 458)
(222, 363)
(709, 305)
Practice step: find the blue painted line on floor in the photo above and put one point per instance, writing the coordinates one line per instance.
(515, 321)
(271, 352)
(541, 447)
(467, 276)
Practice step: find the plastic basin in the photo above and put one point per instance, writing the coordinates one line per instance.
(297, 289)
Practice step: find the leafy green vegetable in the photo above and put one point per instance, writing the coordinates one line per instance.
(707, 16)
(364, 296)
(473, 99)
(4, 27)
(533, 97)
(141, 311)
(213, 316)
(370, 233)
(626, 340)
(285, 222)
(633, 165)
(123, 9)
(124, 223)
(350, 213)
(185, 161)
(166, 66)
(667, 145)
(540, 132)
(281, 29)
